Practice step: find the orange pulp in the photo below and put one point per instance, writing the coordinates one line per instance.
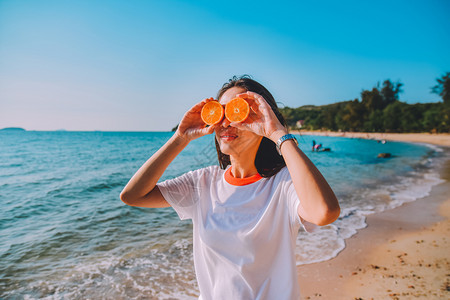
(212, 113)
(237, 110)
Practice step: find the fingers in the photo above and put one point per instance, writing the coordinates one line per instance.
(250, 95)
(209, 129)
(256, 128)
(260, 101)
(198, 106)
(264, 118)
(199, 131)
(256, 101)
(241, 126)
(212, 128)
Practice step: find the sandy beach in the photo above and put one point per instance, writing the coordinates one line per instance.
(442, 139)
(403, 253)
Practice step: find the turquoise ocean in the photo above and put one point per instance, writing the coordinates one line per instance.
(64, 233)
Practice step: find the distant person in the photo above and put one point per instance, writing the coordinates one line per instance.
(246, 213)
(313, 145)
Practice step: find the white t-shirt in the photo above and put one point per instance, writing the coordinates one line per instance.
(244, 236)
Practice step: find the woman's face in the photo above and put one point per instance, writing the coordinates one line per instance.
(233, 141)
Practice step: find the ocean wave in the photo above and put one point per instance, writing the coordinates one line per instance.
(11, 165)
(103, 186)
(145, 274)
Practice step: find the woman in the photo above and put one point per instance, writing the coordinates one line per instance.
(246, 213)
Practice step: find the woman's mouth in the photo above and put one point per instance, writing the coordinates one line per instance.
(228, 137)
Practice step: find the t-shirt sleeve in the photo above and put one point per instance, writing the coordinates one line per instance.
(293, 203)
(181, 193)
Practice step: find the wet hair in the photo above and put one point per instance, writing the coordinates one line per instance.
(267, 161)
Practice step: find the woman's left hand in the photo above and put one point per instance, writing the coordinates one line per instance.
(261, 120)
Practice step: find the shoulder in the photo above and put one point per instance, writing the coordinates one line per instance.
(210, 171)
(199, 177)
(281, 180)
(282, 175)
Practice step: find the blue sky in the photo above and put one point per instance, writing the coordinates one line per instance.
(139, 65)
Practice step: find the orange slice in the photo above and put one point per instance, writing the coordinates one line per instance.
(212, 112)
(237, 110)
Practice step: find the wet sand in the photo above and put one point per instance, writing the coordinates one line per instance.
(403, 253)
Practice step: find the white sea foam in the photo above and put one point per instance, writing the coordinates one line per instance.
(433, 147)
(157, 275)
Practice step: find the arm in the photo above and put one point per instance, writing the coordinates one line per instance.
(318, 204)
(141, 190)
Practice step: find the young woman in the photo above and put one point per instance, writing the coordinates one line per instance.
(246, 213)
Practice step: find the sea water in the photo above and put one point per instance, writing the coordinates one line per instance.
(64, 233)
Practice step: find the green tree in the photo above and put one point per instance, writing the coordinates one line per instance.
(329, 114)
(390, 91)
(353, 115)
(372, 100)
(433, 119)
(443, 88)
(375, 101)
(378, 111)
(375, 122)
(391, 116)
(289, 115)
(408, 121)
(340, 123)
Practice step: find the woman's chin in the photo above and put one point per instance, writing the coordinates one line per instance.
(226, 150)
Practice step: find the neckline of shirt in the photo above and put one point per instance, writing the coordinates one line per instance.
(228, 176)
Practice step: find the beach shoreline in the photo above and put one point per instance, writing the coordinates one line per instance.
(401, 254)
(439, 139)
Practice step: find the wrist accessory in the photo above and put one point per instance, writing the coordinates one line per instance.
(283, 139)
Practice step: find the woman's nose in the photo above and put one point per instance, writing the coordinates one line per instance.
(225, 123)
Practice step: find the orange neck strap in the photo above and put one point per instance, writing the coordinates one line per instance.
(240, 181)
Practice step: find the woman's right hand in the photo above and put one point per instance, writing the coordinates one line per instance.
(141, 190)
(191, 126)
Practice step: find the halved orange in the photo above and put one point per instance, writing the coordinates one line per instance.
(212, 112)
(237, 110)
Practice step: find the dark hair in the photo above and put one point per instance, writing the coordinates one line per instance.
(267, 161)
